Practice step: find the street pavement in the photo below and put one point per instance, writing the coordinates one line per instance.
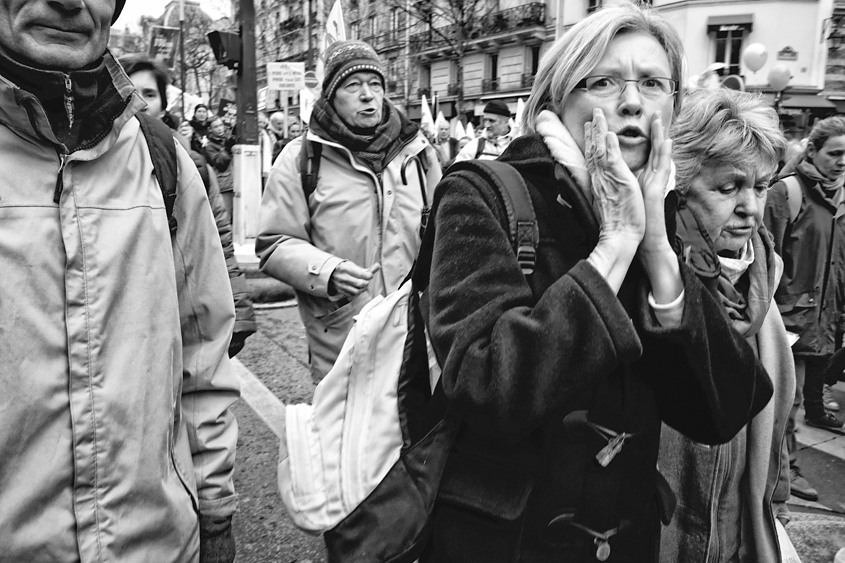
(273, 370)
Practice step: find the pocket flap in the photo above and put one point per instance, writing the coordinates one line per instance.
(789, 303)
(484, 486)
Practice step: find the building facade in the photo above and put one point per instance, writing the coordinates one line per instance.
(464, 62)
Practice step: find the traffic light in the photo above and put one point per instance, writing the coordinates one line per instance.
(226, 47)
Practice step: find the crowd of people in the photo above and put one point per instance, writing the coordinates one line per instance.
(633, 398)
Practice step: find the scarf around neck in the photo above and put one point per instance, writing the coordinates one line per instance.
(745, 286)
(565, 151)
(831, 188)
(374, 148)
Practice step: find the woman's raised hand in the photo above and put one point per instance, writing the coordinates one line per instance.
(655, 252)
(653, 180)
(618, 199)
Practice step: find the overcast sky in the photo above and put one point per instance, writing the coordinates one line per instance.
(134, 9)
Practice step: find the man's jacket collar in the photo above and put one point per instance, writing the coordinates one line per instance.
(32, 102)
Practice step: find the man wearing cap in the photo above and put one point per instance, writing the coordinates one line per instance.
(496, 137)
(356, 234)
(118, 441)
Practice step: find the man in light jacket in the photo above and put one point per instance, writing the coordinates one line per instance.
(355, 235)
(118, 440)
(495, 138)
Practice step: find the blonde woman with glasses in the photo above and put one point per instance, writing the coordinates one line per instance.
(564, 376)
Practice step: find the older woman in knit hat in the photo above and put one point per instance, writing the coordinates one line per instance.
(353, 233)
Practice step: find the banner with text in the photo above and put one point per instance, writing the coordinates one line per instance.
(285, 76)
(228, 112)
(164, 42)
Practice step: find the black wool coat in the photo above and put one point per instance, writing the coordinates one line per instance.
(527, 361)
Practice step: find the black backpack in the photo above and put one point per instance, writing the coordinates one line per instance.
(309, 172)
(165, 164)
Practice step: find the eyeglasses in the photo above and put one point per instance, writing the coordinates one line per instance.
(355, 86)
(655, 88)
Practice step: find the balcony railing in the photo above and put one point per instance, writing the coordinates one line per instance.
(424, 91)
(527, 15)
(453, 89)
(527, 80)
(389, 39)
(490, 85)
(295, 23)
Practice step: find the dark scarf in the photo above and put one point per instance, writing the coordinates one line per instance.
(747, 302)
(95, 100)
(829, 187)
(201, 128)
(374, 147)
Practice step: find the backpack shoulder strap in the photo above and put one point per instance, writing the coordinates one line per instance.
(522, 222)
(793, 195)
(480, 149)
(309, 165)
(165, 163)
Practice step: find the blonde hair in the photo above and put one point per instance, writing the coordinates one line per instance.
(584, 45)
(724, 126)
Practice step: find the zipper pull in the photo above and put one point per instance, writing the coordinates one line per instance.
(602, 549)
(60, 183)
(613, 447)
(69, 101)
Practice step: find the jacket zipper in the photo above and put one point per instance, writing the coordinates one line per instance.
(724, 458)
(60, 182)
(380, 207)
(69, 101)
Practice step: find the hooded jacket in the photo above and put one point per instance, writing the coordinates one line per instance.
(545, 370)
(116, 386)
(354, 215)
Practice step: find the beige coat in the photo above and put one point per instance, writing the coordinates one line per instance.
(748, 474)
(115, 384)
(352, 215)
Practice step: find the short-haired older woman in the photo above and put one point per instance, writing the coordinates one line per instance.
(562, 377)
(727, 146)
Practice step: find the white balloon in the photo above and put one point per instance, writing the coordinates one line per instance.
(779, 77)
(755, 56)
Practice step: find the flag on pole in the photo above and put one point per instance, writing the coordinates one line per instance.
(460, 133)
(426, 120)
(470, 131)
(520, 108)
(307, 98)
(335, 30)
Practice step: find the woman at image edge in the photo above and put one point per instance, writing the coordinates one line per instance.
(727, 148)
(608, 337)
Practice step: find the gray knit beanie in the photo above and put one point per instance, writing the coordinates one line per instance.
(347, 57)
